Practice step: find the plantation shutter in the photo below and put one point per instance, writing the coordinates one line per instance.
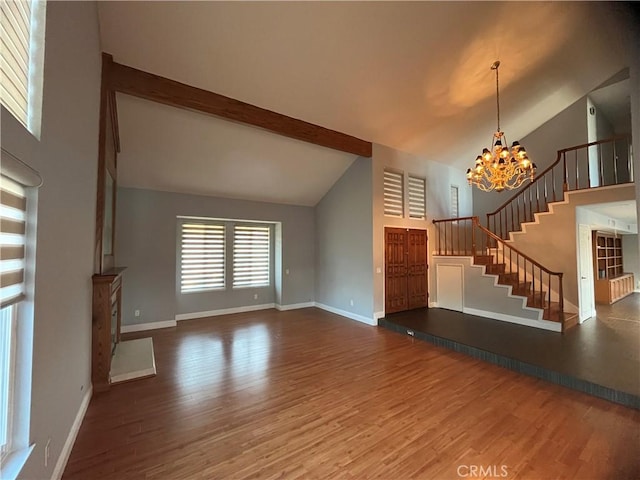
(15, 25)
(251, 256)
(417, 207)
(13, 206)
(202, 257)
(454, 202)
(393, 194)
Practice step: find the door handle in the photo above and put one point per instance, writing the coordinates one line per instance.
(583, 278)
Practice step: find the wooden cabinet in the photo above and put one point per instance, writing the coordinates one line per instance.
(611, 283)
(106, 318)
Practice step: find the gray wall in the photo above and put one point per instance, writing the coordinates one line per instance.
(344, 269)
(439, 178)
(146, 242)
(66, 157)
(567, 129)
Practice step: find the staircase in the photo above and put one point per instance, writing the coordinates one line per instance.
(551, 310)
(539, 287)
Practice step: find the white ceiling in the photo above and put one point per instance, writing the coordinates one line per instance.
(411, 75)
(624, 212)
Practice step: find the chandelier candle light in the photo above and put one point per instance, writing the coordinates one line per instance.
(498, 168)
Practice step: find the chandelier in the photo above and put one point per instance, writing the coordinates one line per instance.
(499, 168)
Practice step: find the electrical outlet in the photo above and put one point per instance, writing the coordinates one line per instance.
(286, 272)
(136, 313)
(410, 333)
(47, 452)
(378, 270)
(255, 296)
(351, 302)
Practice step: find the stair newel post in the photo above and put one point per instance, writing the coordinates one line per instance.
(565, 184)
(600, 166)
(473, 237)
(533, 279)
(560, 293)
(629, 161)
(615, 164)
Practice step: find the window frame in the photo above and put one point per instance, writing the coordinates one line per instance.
(394, 172)
(270, 245)
(32, 119)
(186, 221)
(423, 205)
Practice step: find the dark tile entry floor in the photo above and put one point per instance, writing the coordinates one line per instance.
(601, 356)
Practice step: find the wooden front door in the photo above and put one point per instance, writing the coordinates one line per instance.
(405, 269)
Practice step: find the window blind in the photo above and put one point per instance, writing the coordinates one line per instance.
(13, 205)
(15, 24)
(393, 193)
(251, 256)
(454, 202)
(417, 207)
(202, 257)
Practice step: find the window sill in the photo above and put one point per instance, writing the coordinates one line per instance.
(14, 463)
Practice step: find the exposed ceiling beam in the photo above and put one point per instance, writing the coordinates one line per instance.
(152, 87)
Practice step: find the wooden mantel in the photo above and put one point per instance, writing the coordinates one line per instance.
(107, 296)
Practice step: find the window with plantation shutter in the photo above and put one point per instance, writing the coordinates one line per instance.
(202, 257)
(393, 193)
(13, 207)
(417, 208)
(251, 256)
(21, 57)
(454, 201)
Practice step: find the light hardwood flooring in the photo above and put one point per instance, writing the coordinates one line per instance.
(308, 394)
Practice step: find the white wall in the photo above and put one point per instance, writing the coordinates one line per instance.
(344, 274)
(146, 243)
(439, 178)
(67, 158)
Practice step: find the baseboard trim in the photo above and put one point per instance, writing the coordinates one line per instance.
(543, 324)
(377, 316)
(140, 327)
(71, 438)
(344, 313)
(294, 306)
(223, 311)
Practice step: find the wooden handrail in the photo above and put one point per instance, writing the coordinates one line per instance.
(524, 255)
(557, 162)
(559, 178)
(455, 219)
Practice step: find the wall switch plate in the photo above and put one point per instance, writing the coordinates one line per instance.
(136, 313)
(286, 272)
(255, 296)
(351, 302)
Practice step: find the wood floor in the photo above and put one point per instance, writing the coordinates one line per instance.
(308, 394)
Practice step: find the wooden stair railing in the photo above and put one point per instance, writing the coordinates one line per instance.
(595, 164)
(466, 237)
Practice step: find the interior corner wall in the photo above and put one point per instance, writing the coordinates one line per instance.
(631, 258)
(344, 273)
(67, 158)
(147, 240)
(567, 129)
(439, 179)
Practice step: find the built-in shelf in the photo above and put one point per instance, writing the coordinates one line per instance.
(611, 282)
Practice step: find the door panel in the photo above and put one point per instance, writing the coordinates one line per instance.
(406, 284)
(417, 269)
(396, 270)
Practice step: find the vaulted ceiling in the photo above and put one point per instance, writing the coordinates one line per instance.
(411, 75)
